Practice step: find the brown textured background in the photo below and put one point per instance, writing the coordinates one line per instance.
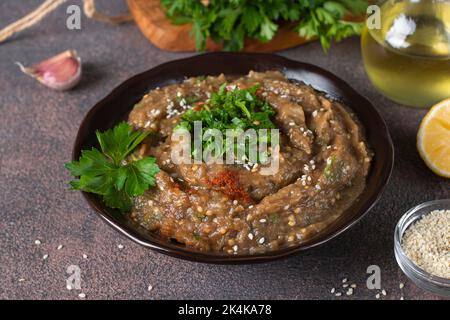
(38, 127)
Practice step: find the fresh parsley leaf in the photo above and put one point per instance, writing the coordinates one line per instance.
(230, 22)
(118, 200)
(108, 172)
(326, 21)
(91, 161)
(139, 176)
(118, 142)
(267, 30)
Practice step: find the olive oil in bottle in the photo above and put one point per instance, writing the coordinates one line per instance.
(408, 58)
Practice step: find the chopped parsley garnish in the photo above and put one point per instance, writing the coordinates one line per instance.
(229, 109)
(108, 172)
(197, 236)
(187, 100)
(275, 218)
(328, 172)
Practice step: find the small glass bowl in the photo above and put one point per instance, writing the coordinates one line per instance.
(422, 278)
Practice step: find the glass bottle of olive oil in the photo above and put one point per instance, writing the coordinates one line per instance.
(408, 58)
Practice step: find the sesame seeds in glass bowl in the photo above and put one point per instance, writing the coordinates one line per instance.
(422, 246)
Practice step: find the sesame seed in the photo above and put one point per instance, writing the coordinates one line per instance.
(120, 246)
(261, 241)
(401, 285)
(235, 202)
(377, 296)
(349, 292)
(353, 286)
(344, 280)
(21, 280)
(426, 244)
(338, 294)
(333, 290)
(235, 248)
(45, 257)
(383, 292)
(82, 295)
(37, 242)
(262, 220)
(345, 285)
(250, 236)
(85, 256)
(401, 298)
(69, 287)
(60, 247)
(149, 288)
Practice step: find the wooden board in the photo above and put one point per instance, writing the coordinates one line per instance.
(152, 20)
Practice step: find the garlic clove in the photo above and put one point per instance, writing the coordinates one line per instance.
(61, 72)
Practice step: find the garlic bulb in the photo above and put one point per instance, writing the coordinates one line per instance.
(61, 72)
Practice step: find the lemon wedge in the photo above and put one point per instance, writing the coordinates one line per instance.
(433, 139)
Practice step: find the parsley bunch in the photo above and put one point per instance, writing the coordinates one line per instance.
(109, 174)
(229, 109)
(231, 21)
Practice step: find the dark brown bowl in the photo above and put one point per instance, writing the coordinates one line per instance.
(116, 106)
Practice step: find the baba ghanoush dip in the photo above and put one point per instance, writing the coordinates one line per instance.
(324, 160)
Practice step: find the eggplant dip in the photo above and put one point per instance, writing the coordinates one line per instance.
(324, 160)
